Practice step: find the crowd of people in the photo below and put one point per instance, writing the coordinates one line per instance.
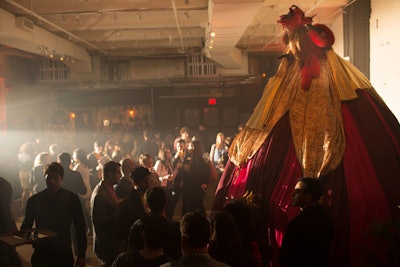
(128, 202)
(167, 159)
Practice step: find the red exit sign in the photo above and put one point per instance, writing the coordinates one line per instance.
(212, 101)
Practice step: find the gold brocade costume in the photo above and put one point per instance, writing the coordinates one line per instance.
(315, 114)
(318, 117)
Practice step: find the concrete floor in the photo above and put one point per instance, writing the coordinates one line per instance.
(25, 251)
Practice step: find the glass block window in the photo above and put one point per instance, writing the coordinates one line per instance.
(53, 70)
(199, 65)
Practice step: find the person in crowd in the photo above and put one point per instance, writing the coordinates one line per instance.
(137, 140)
(36, 177)
(308, 236)
(26, 157)
(84, 130)
(226, 243)
(168, 140)
(73, 180)
(189, 146)
(240, 211)
(104, 205)
(127, 145)
(82, 166)
(56, 209)
(195, 183)
(132, 206)
(217, 150)
(156, 202)
(125, 184)
(223, 160)
(148, 146)
(146, 160)
(94, 166)
(108, 150)
(164, 169)
(154, 235)
(8, 255)
(54, 150)
(159, 141)
(117, 156)
(228, 141)
(180, 164)
(195, 233)
(107, 155)
(184, 134)
(202, 135)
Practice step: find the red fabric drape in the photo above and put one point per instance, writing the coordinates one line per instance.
(362, 190)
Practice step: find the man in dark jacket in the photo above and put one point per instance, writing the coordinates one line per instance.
(132, 206)
(308, 236)
(55, 209)
(104, 205)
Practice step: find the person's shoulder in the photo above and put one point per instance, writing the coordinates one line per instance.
(100, 190)
(96, 187)
(37, 196)
(70, 172)
(68, 193)
(315, 211)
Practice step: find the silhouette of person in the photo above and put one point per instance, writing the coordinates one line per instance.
(308, 236)
(55, 209)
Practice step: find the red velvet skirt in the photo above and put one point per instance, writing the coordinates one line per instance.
(362, 193)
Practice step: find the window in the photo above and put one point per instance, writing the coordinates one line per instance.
(199, 65)
(53, 70)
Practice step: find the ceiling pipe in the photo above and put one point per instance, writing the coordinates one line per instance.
(120, 11)
(30, 12)
(177, 23)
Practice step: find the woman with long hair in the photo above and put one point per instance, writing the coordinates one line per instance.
(218, 150)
